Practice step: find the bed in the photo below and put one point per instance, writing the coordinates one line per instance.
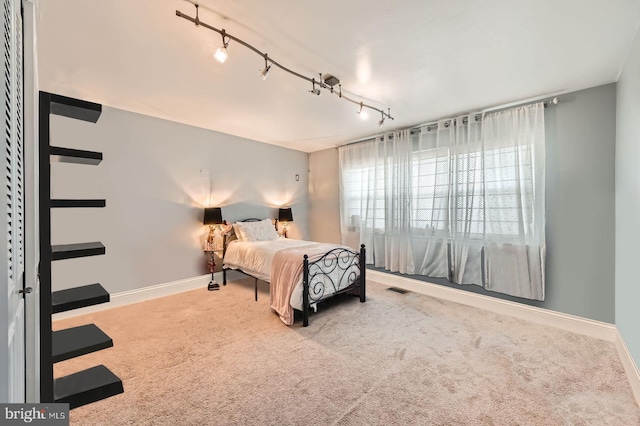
(301, 273)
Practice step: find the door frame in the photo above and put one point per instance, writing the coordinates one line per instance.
(32, 220)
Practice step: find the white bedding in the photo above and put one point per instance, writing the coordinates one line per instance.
(255, 258)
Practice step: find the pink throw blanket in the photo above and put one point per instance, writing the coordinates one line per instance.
(286, 271)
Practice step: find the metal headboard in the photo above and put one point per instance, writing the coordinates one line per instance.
(227, 238)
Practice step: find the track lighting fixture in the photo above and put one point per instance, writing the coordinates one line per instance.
(384, 117)
(264, 72)
(221, 53)
(362, 113)
(315, 90)
(328, 82)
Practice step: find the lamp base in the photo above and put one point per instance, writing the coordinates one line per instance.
(213, 286)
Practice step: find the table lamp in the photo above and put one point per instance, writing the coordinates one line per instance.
(285, 216)
(212, 217)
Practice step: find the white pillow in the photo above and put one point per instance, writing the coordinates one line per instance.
(258, 231)
(237, 228)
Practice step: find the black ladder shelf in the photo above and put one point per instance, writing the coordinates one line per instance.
(95, 383)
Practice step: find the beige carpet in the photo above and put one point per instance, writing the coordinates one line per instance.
(219, 358)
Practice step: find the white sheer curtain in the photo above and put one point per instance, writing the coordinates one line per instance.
(431, 192)
(466, 206)
(514, 236)
(461, 199)
(376, 200)
(398, 253)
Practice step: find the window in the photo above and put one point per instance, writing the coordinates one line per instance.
(462, 200)
(430, 190)
(461, 189)
(364, 193)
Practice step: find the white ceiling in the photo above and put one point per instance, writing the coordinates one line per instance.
(425, 59)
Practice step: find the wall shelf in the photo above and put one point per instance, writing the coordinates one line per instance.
(59, 203)
(98, 382)
(75, 156)
(78, 297)
(75, 108)
(87, 386)
(78, 341)
(72, 251)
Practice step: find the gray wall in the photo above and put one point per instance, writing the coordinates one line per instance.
(628, 202)
(324, 204)
(157, 176)
(580, 172)
(580, 134)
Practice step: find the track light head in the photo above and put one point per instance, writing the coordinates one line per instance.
(381, 122)
(264, 72)
(221, 54)
(362, 113)
(315, 90)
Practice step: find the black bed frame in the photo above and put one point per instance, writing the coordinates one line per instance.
(348, 264)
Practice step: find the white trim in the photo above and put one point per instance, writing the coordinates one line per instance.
(31, 206)
(630, 367)
(575, 324)
(143, 294)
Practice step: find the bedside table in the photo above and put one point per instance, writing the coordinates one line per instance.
(213, 285)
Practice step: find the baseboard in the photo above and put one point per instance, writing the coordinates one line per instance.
(630, 367)
(575, 324)
(144, 293)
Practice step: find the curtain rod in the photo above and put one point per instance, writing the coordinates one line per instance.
(546, 100)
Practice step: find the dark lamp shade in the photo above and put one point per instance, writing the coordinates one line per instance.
(212, 215)
(285, 215)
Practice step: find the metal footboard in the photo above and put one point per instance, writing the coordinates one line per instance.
(338, 271)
